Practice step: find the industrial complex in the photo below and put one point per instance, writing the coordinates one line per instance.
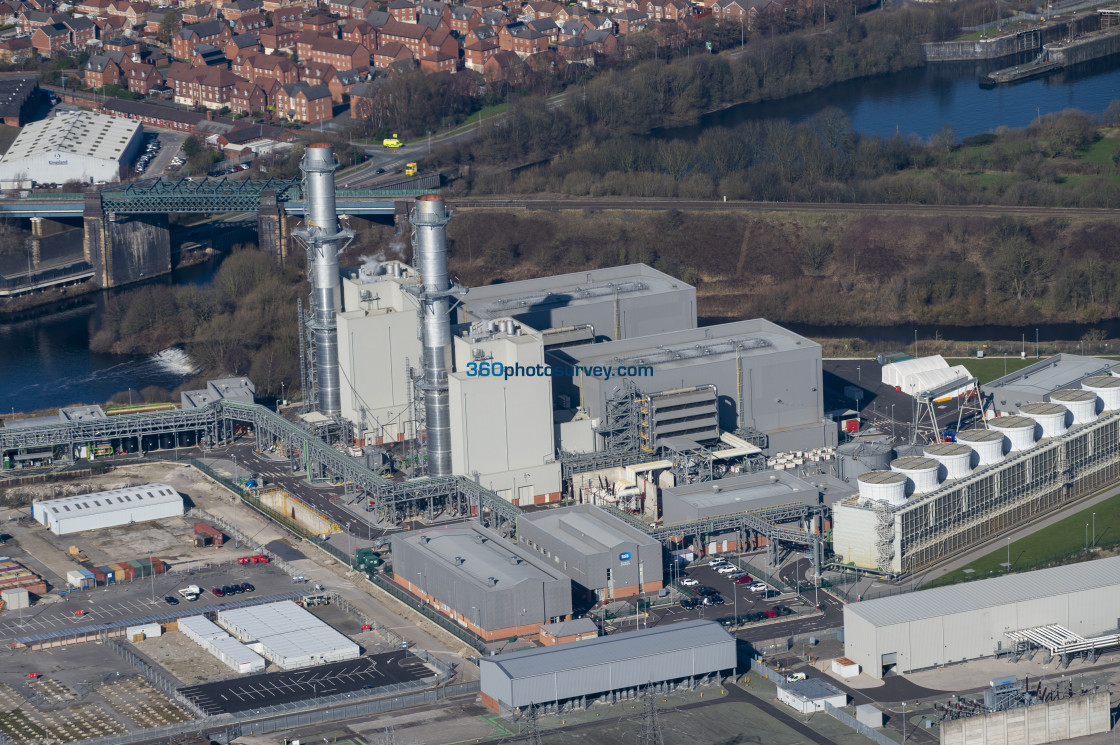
(538, 493)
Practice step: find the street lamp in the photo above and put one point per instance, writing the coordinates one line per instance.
(903, 723)
(349, 547)
(742, 32)
(420, 587)
(859, 375)
(1094, 530)
(1086, 536)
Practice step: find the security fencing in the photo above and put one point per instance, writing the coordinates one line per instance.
(291, 716)
(443, 622)
(153, 676)
(769, 673)
(859, 727)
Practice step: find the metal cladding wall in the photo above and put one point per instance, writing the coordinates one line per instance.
(629, 660)
(726, 496)
(587, 544)
(527, 593)
(966, 622)
(776, 389)
(612, 300)
(108, 509)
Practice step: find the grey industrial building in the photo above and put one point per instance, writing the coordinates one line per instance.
(484, 583)
(1033, 384)
(976, 619)
(228, 389)
(70, 146)
(726, 496)
(767, 378)
(608, 668)
(605, 557)
(618, 302)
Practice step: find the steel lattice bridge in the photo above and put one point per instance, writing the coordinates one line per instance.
(208, 196)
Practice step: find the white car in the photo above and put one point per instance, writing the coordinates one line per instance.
(796, 677)
(690, 582)
(727, 568)
(758, 587)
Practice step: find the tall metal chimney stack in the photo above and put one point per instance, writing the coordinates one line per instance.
(429, 244)
(322, 236)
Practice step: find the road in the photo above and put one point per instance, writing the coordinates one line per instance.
(639, 203)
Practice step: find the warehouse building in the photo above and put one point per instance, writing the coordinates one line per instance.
(108, 509)
(619, 302)
(287, 635)
(606, 558)
(70, 146)
(515, 459)
(221, 645)
(767, 379)
(1033, 384)
(492, 587)
(968, 621)
(609, 667)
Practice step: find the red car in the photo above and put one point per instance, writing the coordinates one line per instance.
(79, 612)
(218, 592)
(244, 560)
(771, 614)
(744, 580)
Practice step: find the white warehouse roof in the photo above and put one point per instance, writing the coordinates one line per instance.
(989, 593)
(288, 635)
(74, 132)
(117, 503)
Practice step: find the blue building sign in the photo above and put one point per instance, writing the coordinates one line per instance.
(624, 556)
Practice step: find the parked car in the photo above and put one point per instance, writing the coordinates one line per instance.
(727, 568)
(688, 603)
(783, 610)
(768, 593)
(219, 592)
(705, 590)
(689, 582)
(795, 677)
(743, 579)
(718, 600)
(247, 587)
(170, 600)
(758, 587)
(771, 613)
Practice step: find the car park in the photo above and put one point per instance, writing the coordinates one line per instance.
(687, 582)
(171, 600)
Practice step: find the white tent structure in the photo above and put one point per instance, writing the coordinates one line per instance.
(914, 376)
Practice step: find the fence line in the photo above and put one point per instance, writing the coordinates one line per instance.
(153, 676)
(860, 728)
(267, 720)
(769, 673)
(446, 624)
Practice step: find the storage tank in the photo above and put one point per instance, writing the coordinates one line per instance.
(955, 458)
(884, 486)
(1051, 417)
(1019, 430)
(1107, 389)
(860, 457)
(909, 451)
(987, 445)
(920, 472)
(1082, 404)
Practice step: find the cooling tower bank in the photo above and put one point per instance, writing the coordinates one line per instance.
(960, 494)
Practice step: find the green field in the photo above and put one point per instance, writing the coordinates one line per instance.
(1061, 543)
(989, 368)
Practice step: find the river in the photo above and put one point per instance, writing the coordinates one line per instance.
(46, 362)
(923, 100)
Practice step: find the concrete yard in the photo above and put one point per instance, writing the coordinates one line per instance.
(255, 691)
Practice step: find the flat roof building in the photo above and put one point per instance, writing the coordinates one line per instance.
(287, 635)
(605, 557)
(576, 630)
(726, 496)
(227, 389)
(486, 584)
(70, 146)
(620, 302)
(767, 378)
(967, 621)
(810, 695)
(677, 655)
(1033, 384)
(108, 509)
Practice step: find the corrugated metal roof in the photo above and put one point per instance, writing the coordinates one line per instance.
(110, 501)
(989, 593)
(587, 528)
(567, 628)
(609, 649)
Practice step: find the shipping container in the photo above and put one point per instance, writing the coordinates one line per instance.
(138, 569)
(159, 566)
(98, 575)
(75, 578)
(110, 575)
(15, 599)
(206, 529)
(87, 574)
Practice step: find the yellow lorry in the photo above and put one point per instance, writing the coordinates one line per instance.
(409, 169)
